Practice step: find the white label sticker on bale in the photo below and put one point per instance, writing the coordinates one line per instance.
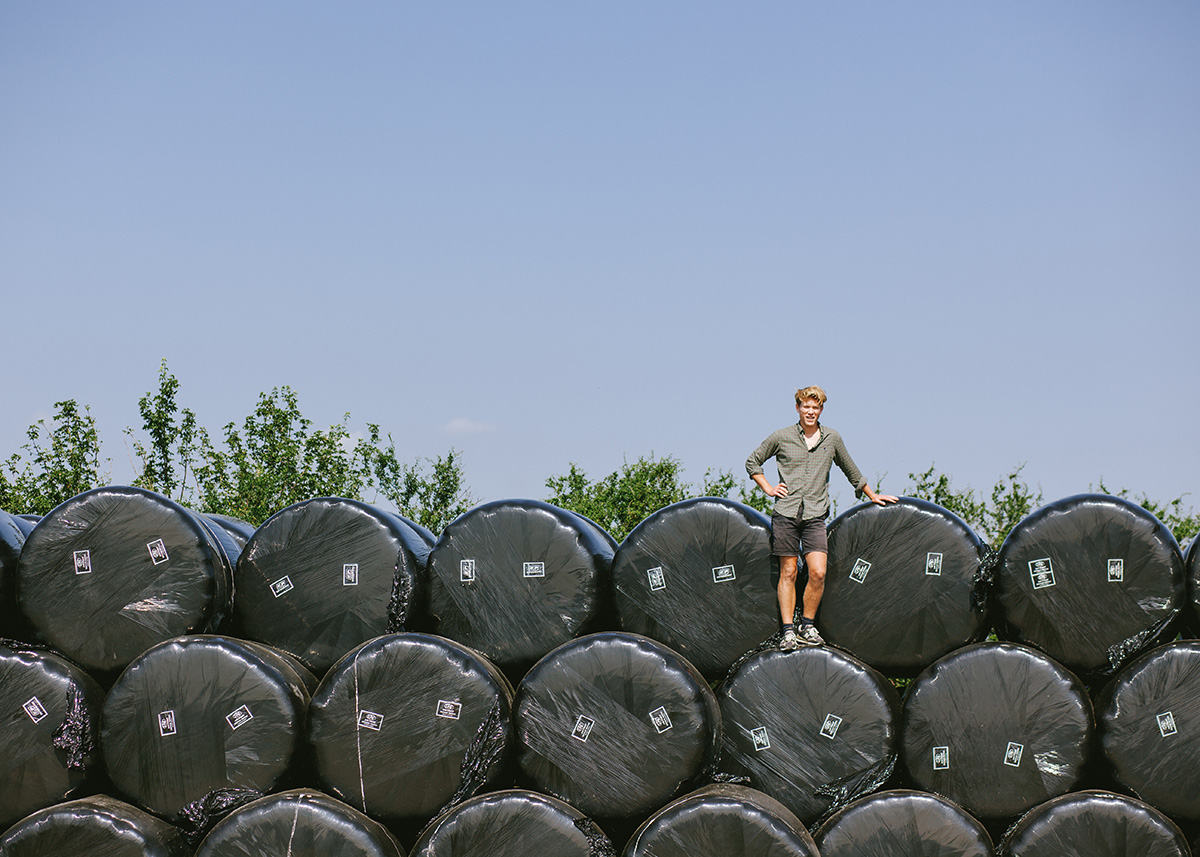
(1012, 754)
(239, 717)
(282, 585)
(724, 574)
(657, 578)
(1116, 571)
(859, 573)
(535, 569)
(166, 723)
(83, 562)
(370, 720)
(1166, 724)
(158, 551)
(1041, 572)
(466, 571)
(350, 574)
(583, 728)
(762, 741)
(36, 711)
(830, 727)
(449, 709)
(933, 563)
(660, 719)
(941, 758)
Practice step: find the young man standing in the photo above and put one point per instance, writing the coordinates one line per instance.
(804, 454)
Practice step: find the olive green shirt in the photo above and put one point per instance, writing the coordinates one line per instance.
(805, 471)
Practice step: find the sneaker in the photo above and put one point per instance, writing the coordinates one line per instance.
(808, 635)
(789, 642)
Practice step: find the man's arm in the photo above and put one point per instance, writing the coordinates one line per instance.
(754, 464)
(846, 464)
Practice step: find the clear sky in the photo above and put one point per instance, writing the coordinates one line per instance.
(545, 232)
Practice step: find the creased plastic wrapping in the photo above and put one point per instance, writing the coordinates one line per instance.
(902, 822)
(903, 586)
(98, 826)
(512, 823)
(1090, 580)
(997, 728)
(49, 721)
(1148, 719)
(12, 538)
(1094, 824)
(240, 531)
(722, 819)
(295, 823)
(197, 714)
(405, 721)
(112, 571)
(802, 724)
(515, 578)
(1192, 565)
(697, 576)
(317, 578)
(615, 724)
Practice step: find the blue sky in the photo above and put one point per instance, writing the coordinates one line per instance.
(547, 232)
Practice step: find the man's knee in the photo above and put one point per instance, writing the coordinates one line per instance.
(816, 568)
(787, 568)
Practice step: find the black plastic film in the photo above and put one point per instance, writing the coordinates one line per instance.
(12, 538)
(49, 720)
(722, 819)
(1094, 824)
(515, 578)
(813, 728)
(197, 714)
(615, 724)
(1192, 566)
(1148, 719)
(1089, 580)
(98, 826)
(902, 821)
(109, 573)
(240, 531)
(512, 823)
(318, 578)
(997, 728)
(407, 722)
(697, 576)
(904, 585)
(301, 821)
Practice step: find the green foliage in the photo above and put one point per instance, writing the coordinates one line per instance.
(991, 516)
(60, 461)
(1184, 523)
(170, 456)
(432, 499)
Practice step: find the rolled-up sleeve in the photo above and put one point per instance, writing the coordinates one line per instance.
(754, 464)
(846, 464)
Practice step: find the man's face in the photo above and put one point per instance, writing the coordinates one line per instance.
(810, 412)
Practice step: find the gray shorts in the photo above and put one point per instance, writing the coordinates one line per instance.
(790, 537)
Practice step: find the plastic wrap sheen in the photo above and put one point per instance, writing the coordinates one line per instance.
(109, 573)
(997, 728)
(197, 714)
(1090, 580)
(97, 826)
(722, 819)
(515, 578)
(298, 822)
(1094, 824)
(317, 578)
(814, 728)
(615, 724)
(904, 585)
(12, 538)
(1192, 565)
(394, 722)
(697, 576)
(903, 822)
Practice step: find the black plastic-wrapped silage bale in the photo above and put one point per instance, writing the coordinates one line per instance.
(903, 822)
(905, 585)
(615, 724)
(1094, 824)
(324, 575)
(298, 822)
(696, 576)
(98, 826)
(407, 722)
(109, 573)
(12, 539)
(1191, 561)
(49, 720)
(814, 728)
(722, 819)
(1090, 580)
(515, 578)
(197, 714)
(1148, 719)
(240, 531)
(512, 823)
(997, 728)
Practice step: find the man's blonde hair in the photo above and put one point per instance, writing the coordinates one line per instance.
(811, 393)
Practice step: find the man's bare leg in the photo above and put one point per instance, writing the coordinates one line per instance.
(787, 589)
(816, 562)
